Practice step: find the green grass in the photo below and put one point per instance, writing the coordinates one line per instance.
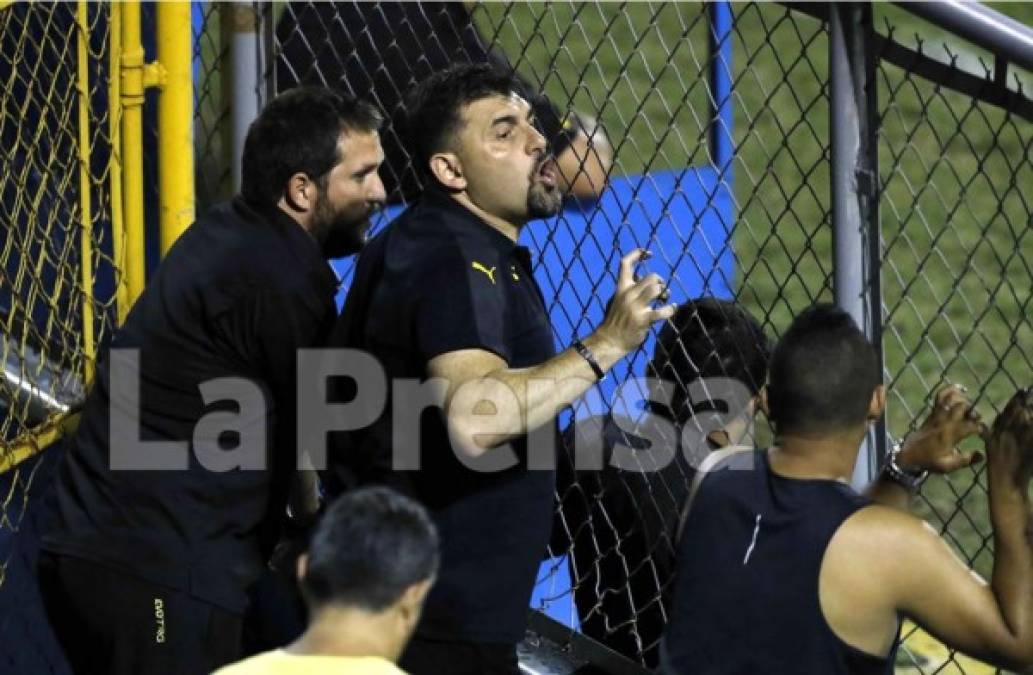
(956, 224)
(955, 209)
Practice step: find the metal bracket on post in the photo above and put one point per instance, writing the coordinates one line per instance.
(133, 83)
(154, 75)
(855, 198)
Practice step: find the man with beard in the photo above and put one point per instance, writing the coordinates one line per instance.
(446, 296)
(166, 510)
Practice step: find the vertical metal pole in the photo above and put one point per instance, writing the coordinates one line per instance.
(722, 114)
(118, 233)
(132, 74)
(175, 122)
(855, 216)
(242, 23)
(266, 13)
(85, 190)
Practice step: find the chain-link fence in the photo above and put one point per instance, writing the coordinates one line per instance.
(57, 267)
(673, 84)
(957, 250)
(55, 285)
(717, 119)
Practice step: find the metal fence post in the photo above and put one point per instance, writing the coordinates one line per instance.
(134, 80)
(240, 29)
(722, 113)
(175, 121)
(86, 234)
(855, 213)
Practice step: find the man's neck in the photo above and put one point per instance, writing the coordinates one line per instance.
(830, 457)
(349, 632)
(507, 228)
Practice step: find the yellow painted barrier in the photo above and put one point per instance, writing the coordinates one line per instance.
(115, 175)
(82, 84)
(132, 84)
(175, 122)
(35, 441)
(933, 657)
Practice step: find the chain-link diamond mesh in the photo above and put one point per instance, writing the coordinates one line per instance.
(955, 222)
(721, 164)
(56, 283)
(56, 253)
(212, 144)
(957, 253)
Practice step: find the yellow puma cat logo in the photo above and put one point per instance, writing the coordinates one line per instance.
(490, 273)
(512, 270)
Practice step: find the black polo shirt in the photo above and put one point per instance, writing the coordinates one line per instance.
(236, 296)
(438, 280)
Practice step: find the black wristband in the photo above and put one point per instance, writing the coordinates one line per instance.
(587, 355)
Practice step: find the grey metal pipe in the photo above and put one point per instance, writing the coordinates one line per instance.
(33, 387)
(981, 25)
(244, 78)
(854, 199)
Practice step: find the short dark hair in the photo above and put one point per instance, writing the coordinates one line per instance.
(823, 373)
(709, 337)
(433, 111)
(298, 132)
(371, 545)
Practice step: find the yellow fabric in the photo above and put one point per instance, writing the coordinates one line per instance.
(280, 662)
(926, 654)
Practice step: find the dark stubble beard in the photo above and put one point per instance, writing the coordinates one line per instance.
(338, 233)
(542, 201)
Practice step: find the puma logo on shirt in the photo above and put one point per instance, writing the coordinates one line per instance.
(490, 273)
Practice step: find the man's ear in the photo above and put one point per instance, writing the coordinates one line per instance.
(448, 169)
(301, 567)
(413, 597)
(301, 193)
(762, 401)
(878, 403)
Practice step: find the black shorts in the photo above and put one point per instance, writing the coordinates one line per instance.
(114, 623)
(433, 657)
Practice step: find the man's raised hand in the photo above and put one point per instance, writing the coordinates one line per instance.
(933, 446)
(1009, 443)
(631, 312)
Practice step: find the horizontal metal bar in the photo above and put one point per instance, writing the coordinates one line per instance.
(982, 89)
(928, 68)
(36, 388)
(601, 659)
(980, 25)
(34, 441)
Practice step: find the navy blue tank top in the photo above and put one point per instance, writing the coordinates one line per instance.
(746, 593)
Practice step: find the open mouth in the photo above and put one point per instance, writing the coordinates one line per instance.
(547, 173)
